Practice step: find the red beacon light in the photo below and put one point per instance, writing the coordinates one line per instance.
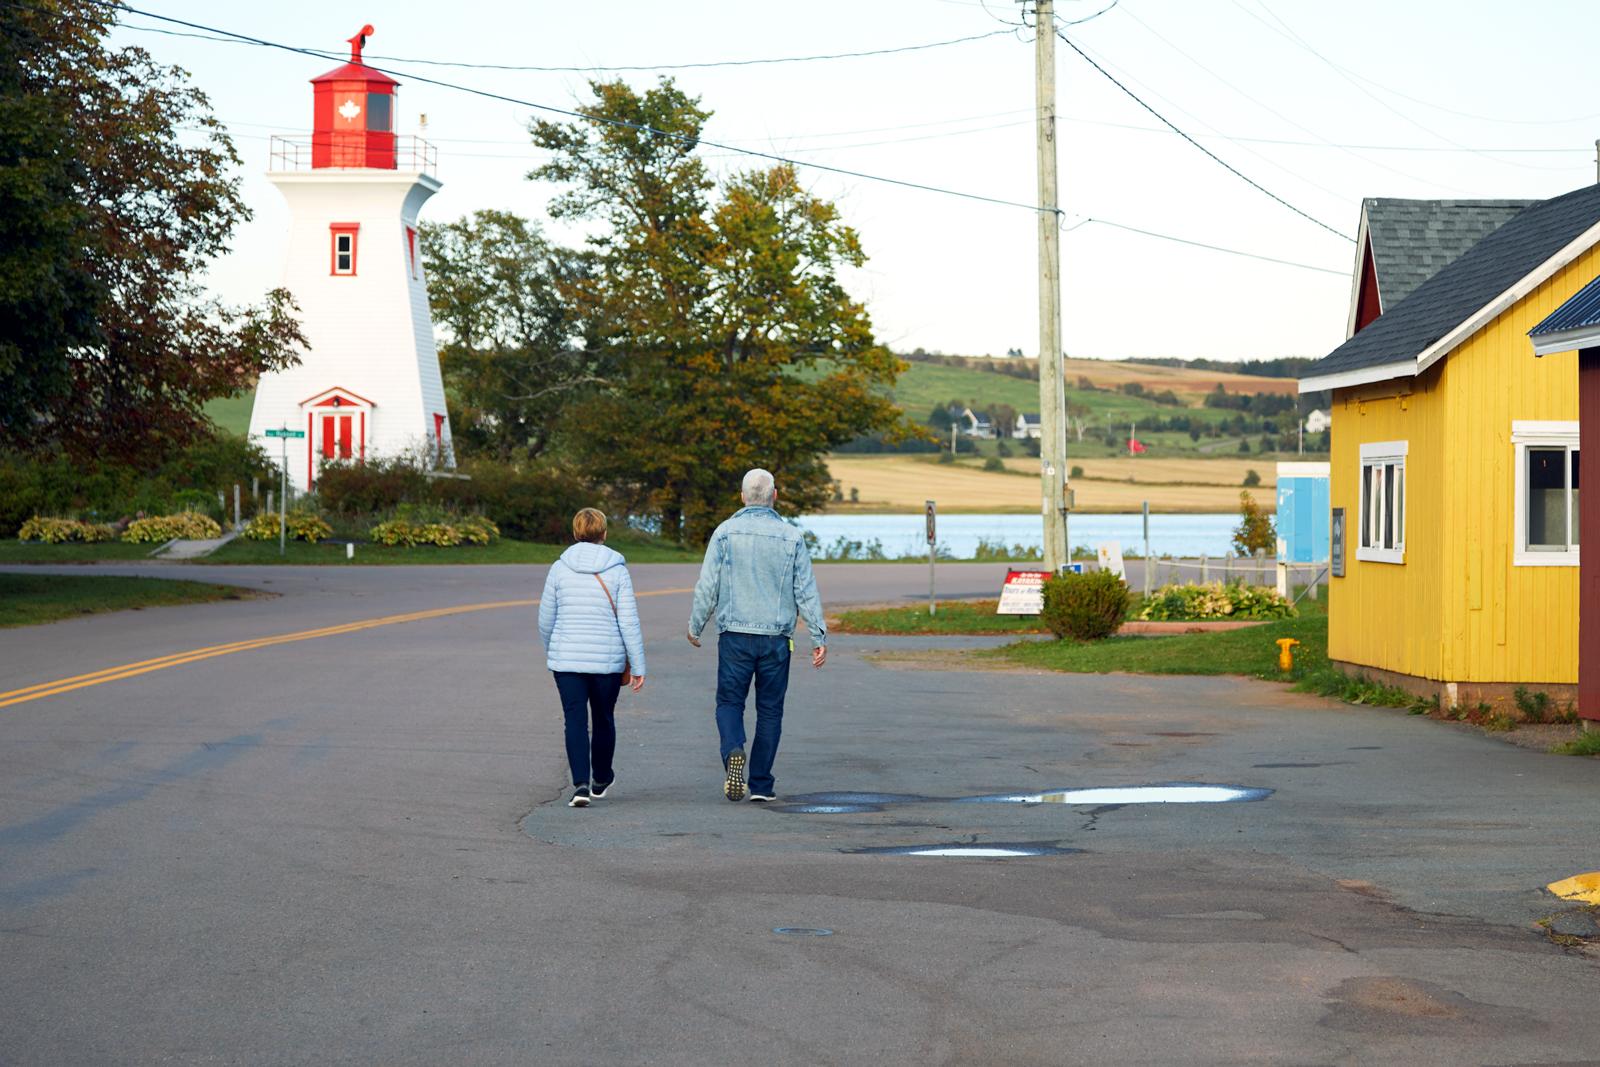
(353, 114)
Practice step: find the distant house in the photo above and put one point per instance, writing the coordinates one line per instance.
(1318, 421)
(1402, 243)
(1458, 573)
(1027, 426)
(974, 425)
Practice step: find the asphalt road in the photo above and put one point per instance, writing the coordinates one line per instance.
(353, 848)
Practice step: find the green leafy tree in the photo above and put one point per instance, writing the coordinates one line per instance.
(1254, 531)
(114, 195)
(514, 356)
(734, 341)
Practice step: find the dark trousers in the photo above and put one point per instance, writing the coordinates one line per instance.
(741, 659)
(585, 697)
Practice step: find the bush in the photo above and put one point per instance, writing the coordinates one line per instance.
(61, 531)
(1084, 607)
(1076, 472)
(1251, 479)
(528, 504)
(431, 526)
(353, 488)
(298, 525)
(994, 463)
(1215, 601)
(1254, 532)
(158, 528)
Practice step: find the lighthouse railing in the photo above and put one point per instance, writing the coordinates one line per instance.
(411, 153)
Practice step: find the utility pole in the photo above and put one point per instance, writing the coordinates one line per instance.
(1052, 394)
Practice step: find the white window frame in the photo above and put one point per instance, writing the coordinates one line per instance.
(1527, 434)
(350, 237)
(1380, 454)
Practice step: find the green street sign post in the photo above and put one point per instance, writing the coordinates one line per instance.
(284, 434)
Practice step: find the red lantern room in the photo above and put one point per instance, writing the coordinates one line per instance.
(353, 114)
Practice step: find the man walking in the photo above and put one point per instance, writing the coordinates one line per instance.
(757, 575)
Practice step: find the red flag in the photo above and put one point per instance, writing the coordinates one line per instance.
(1134, 447)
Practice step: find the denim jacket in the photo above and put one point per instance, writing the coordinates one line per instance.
(757, 575)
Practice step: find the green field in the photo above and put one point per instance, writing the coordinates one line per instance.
(925, 386)
(232, 413)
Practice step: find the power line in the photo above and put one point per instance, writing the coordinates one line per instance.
(567, 113)
(1211, 247)
(1216, 158)
(634, 67)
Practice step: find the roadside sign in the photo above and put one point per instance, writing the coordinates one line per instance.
(1336, 544)
(1074, 568)
(1022, 593)
(932, 520)
(1111, 558)
(284, 433)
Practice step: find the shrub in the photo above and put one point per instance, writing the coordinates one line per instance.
(1251, 479)
(60, 531)
(300, 524)
(186, 524)
(1215, 601)
(428, 526)
(1254, 532)
(1075, 472)
(994, 463)
(353, 488)
(1084, 607)
(530, 504)
(1534, 705)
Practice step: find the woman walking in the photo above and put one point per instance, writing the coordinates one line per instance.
(589, 622)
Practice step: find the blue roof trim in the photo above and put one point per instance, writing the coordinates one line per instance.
(1581, 309)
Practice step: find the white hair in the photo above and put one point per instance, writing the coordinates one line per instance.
(758, 490)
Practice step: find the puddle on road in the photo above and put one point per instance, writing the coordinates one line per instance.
(860, 798)
(968, 851)
(803, 931)
(826, 809)
(1166, 793)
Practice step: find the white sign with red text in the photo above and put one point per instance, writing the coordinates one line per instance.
(1023, 593)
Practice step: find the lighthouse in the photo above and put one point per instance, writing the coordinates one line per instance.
(368, 384)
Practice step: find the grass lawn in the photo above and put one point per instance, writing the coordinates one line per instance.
(504, 550)
(34, 598)
(953, 617)
(1250, 651)
(232, 413)
(14, 551)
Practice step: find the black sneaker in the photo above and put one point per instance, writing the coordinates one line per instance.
(733, 787)
(580, 797)
(762, 798)
(599, 789)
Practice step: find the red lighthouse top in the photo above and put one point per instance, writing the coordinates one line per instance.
(353, 114)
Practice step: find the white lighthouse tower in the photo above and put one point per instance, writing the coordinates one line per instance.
(369, 384)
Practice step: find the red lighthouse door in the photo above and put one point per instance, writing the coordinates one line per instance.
(337, 434)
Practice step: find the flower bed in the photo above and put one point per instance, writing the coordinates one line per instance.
(188, 525)
(61, 531)
(446, 533)
(298, 525)
(1215, 600)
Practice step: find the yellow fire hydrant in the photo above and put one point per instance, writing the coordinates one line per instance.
(1286, 653)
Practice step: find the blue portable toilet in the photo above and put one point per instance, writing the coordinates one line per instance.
(1303, 515)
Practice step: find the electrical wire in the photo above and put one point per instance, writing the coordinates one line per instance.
(626, 68)
(260, 42)
(1211, 247)
(1214, 157)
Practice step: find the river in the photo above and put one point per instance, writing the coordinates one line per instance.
(960, 535)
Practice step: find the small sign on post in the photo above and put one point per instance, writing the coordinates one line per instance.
(933, 541)
(1336, 544)
(284, 435)
(1023, 593)
(1111, 558)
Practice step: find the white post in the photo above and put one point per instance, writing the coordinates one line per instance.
(1205, 574)
(236, 516)
(1147, 550)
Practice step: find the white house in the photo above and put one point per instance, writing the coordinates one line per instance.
(1027, 426)
(975, 425)
(1318, 421)
(369, 383)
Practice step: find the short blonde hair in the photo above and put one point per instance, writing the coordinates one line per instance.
(589, 524)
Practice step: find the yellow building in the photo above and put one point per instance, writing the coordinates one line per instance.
(1454, 479)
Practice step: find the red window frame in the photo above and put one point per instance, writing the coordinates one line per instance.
(335, 231)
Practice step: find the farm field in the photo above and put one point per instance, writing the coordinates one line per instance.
(901, 483)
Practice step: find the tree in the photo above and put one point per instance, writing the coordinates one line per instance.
(734, 342)
(1254, 531)
(1251, 479)
(515, 356)
(114, 195)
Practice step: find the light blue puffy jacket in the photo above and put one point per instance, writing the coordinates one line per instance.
(579, 630)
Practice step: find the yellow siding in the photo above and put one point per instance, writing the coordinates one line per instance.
(1457, 609)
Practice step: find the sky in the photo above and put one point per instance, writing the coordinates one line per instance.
(1319, 104)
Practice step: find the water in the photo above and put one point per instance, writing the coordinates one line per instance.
(906, 535)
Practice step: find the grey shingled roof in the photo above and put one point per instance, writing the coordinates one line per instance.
(1412, 240)
(1483, 272)
(1583, 309)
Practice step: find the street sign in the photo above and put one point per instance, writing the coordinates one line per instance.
(931, 522)
(1023, 593)
(284, 433)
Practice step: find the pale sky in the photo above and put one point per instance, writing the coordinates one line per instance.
(1457, 83)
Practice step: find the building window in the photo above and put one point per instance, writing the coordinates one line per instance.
(344, 247)
(1547, 494)
(1383, 502)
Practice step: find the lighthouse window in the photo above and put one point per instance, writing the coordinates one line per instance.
(378, 111)
(344, 248)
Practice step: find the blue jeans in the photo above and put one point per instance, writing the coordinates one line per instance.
(584, 696)
(742, 658)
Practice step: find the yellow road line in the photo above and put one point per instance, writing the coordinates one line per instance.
(130, 670)
(1584, 887)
